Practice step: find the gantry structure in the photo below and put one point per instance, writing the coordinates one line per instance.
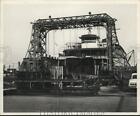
(41, 27)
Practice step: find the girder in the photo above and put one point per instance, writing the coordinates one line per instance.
(74, 22)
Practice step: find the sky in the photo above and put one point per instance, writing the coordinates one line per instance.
(17, 27)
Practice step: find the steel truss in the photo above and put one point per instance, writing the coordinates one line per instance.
(41, 28)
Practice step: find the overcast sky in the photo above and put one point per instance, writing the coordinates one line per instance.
(17, 27)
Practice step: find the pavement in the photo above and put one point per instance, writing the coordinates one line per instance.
(106, 101)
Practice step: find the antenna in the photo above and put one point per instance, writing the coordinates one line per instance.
(89, 30)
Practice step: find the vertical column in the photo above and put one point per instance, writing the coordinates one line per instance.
(94, 67)
(109, 46)
(62, 72)
(102, 64)
(18, 65)
(46, 42)
(30, 85)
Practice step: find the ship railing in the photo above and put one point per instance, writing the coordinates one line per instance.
(72, 45)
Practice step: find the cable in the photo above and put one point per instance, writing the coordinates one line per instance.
(29, 42)
(53, 43)
(48, 44)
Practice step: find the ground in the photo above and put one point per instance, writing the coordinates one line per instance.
(104, 102)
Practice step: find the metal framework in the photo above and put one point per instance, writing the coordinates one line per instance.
(41, 28)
